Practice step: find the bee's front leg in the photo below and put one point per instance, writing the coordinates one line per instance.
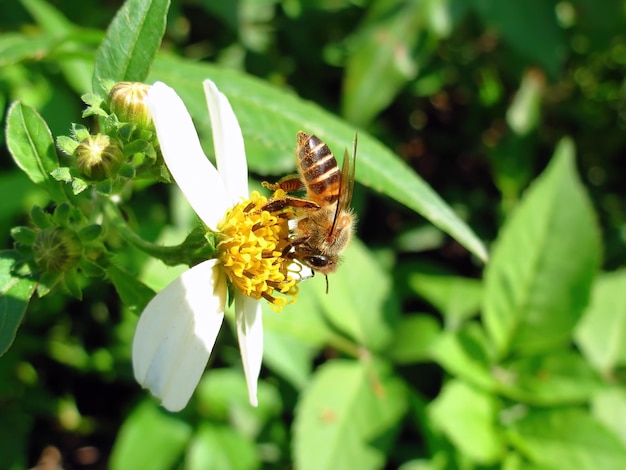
(276, 205)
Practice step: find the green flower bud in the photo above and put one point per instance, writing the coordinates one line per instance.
(56, 250)
(127, 100)
(98, 157)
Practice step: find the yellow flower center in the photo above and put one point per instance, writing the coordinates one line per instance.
(250, 248)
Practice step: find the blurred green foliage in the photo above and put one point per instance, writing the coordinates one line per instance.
(420, 357)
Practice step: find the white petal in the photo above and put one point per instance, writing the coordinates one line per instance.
(176, 333)
(300, 271)
(250, 334)
(230, 153)
(193, 172)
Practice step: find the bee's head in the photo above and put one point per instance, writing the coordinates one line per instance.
(322, 264)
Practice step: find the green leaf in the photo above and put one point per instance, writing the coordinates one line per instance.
(134, 293)
(609, 407)
(543, 264)
(167, 437)
(467, 416)
(16, 47)
(270, 118)
(561, 378)
(567, 438)
(32, 147)
(346, 417)
(17, 426)
(217, 447)
(391, 48)
(17, 193)
(68, 40)
(600, 333)
(131, 42)
(525, 110)
(368, 319)
(531, 28)
(466, 353)
(383, 58)
(456, 298)
(414, 337)
(15, 294)
(288, 357)
(222, 396)
(303, 321)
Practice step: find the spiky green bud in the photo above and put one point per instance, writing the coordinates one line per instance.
(56, 250)
(98, 157)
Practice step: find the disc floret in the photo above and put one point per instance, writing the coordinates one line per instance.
(251, 247)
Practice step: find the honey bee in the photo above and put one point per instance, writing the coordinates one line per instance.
(325, 222)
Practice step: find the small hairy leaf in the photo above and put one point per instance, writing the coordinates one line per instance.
(32, 147)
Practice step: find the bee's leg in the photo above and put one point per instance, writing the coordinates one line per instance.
(295, 243)
(289, 184)
(275, 205)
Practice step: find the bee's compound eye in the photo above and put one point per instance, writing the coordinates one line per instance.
(317, 261)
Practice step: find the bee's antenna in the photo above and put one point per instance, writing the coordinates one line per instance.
(326, 276)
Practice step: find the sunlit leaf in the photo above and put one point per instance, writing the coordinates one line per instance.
(600, 333)
(369, 319)
(218, 447)
(414, 337)
(456, 298)
(15, 294)
(32, 147)
(561, 378)
(288, 357)
(567, 438)
(544, 262)
(15, 47)
(303, 321)
(468, 416)
(222, 396)
(609, 407)
(466, 353)
(167, 436)
(131, 42)
(347, 408)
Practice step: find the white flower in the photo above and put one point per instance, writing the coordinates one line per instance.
(177, 330)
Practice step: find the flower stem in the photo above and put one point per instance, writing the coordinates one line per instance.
(170, 255)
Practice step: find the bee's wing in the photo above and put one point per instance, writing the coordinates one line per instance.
(346, 187)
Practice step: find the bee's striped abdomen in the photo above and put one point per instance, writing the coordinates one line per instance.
(319, 169)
